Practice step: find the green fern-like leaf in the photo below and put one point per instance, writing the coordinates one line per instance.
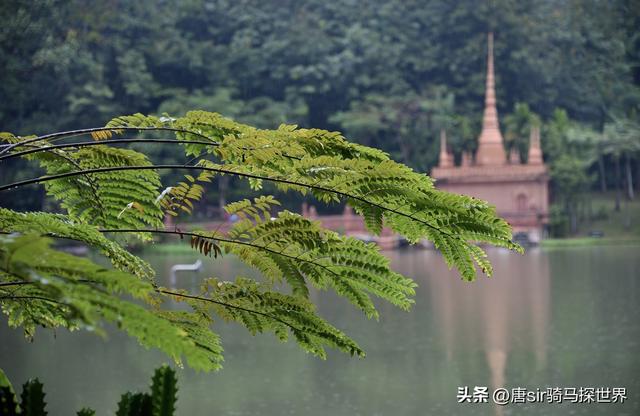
(262, 310)
(63, 226)
(105, 189)
(61, 290)
(113, 199)
(298, 251)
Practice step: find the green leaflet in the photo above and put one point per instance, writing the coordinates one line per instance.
(113, 199)
(58, 225)
(275, 312)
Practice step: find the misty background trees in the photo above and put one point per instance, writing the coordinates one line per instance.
(388, 74)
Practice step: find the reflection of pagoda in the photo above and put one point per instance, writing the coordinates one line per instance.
(519, 191)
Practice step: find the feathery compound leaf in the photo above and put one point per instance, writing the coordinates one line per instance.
(58, 289)
(63, 226)
(135, 120)
(181, 197)
(382, 190)
(103, 198)
(289, 247)
(119, 190)
(261, 310)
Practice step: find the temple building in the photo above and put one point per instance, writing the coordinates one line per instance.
(518, 191)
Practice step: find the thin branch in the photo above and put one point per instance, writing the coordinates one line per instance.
(165, 292)
(15, 284)
(34, 298)
(228, 305)
(225, 171)
(74, 133)
(105, 142)
(224, 240)
(92, 185)
(112, 141)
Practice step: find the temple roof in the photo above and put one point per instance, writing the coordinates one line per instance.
(490, 163)
(490, 174)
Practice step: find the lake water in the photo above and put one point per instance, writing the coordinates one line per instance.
(550, 318)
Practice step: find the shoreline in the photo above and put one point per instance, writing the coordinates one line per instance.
(588, 241)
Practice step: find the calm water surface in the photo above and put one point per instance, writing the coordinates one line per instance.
(557, 318)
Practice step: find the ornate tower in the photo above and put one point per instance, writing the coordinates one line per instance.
(490, 148)
(518, 191)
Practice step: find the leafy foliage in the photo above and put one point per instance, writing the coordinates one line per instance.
(109, 198)
(63, 226)
(49, 288)
(370, 71)
(106, 190)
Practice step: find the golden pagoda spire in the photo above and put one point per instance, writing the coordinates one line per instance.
(490, 147)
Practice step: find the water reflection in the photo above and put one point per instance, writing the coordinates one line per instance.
(491, 313)
(561, 318)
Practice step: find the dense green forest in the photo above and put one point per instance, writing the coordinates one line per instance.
(388, 74)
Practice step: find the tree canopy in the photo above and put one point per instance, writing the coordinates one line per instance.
(389, 74)
(76, 63)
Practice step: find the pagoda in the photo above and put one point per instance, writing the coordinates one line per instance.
(519, 191)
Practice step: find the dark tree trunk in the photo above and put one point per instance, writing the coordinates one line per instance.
(573, 221)
(618, 185)
(638, 175)
(627, 215)
(603, 178)
(629, 179)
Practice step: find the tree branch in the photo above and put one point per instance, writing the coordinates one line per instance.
(225, 171)
(228, 305)
(74, 133)
(160, 291)
(221, 239)
(34, 298)
(104, 142)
